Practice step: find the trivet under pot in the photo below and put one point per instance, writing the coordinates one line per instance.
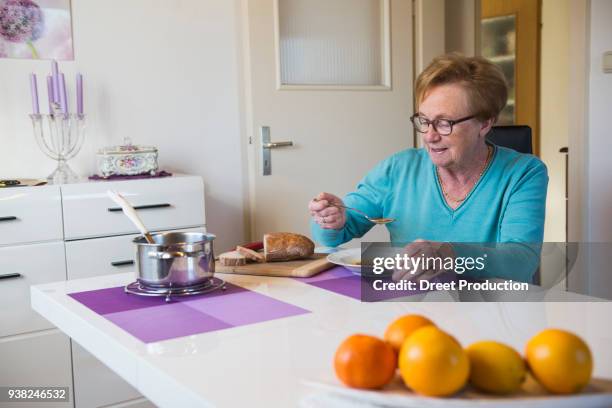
(137, 288)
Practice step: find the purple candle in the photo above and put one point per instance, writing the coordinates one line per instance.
(50, 93)
(63, 99)
(34, 89)
(79, 91)
(56, 83)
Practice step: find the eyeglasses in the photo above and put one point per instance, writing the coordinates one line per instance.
(443, 127)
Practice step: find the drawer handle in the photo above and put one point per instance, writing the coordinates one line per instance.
(122, 263)
(11, 218)
(142, 207)
(10, 275)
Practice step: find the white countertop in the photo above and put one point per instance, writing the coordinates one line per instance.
(264, 364)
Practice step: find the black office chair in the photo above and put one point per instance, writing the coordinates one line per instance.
(515, 137)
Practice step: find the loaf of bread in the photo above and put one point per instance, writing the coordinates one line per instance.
(286, 246)
(232, 258)
(250, 254)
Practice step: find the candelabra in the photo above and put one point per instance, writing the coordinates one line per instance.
(60, 136)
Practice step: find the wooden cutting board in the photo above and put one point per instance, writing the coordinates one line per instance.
(304, 268)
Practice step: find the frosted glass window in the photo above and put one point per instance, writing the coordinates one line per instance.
(498, 45)
(331, 42)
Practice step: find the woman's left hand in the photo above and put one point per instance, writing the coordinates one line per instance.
(425, 249)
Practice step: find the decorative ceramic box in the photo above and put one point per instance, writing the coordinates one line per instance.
(127, 160)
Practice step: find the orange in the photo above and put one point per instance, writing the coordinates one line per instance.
(495, 367)
(560, 361)
(433, 363)
(364, 361)
(403, 327)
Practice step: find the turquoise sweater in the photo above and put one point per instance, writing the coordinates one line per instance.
(507, 205)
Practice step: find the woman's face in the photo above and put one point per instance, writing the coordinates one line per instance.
(458, 149)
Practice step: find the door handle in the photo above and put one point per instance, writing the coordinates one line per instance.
(10, 218)
(276, 145)
(266, 146)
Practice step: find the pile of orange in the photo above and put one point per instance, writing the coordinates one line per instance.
(432, 362)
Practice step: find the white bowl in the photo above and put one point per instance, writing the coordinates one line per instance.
(348, 258)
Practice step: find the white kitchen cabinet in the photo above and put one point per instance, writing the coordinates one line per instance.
(22, 266)
(40, 359)
(52, 233)
(97, 386)
(137, 403)
(163, 204)
(32, 353)
(100, 256)
(103, 256)
(99, 242)
(30, 214)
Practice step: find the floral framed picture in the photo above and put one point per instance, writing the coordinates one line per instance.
(36, 29)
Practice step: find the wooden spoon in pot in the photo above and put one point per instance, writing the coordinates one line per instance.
(130, 212)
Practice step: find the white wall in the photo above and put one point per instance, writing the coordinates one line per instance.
(163, 72)
(599, 163)
(460, 26)
(429, 32)
(579, 44)
(554, 110)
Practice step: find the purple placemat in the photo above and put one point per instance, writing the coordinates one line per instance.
(158, 174)
(151, 319)
(338, 280)
(342, 281)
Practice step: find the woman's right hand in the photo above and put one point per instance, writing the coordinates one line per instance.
(324, 212)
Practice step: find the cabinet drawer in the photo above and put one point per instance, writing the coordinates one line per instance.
(36, 360)
(103, 256)
(163, 204)
(100, 256)
(30, 214)
(20, 267)
(96, 385)
(137, 403)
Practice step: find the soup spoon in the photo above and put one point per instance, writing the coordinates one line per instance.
(379, 221)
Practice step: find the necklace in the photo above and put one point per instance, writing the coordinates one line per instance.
(448, 197)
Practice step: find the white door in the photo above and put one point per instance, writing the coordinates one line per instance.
(335, 79)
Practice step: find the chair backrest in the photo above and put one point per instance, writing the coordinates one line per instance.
(514, 137)
(517, 137)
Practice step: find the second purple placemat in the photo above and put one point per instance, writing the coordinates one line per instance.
(343, 282)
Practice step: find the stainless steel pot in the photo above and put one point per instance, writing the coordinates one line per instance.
(176, 259)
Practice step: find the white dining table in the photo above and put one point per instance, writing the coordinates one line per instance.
(269, 364)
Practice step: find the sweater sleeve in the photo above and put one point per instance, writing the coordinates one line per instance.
(516, 256)
(370, 196)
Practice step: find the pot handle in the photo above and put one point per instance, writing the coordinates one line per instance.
(174, 254)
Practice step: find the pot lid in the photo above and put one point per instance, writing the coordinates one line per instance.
(127, 149)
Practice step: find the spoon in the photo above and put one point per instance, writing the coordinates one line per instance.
(379, 221)
(130, 212)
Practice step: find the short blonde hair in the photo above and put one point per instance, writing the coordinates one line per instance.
(484, 82)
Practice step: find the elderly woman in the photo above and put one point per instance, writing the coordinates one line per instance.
(458, 187)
